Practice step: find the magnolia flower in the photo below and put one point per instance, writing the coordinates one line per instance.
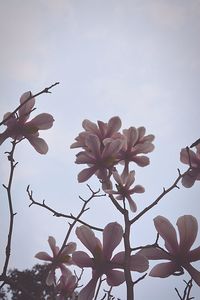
(193, 159)
(66, 286)
(101, 262)
(100, 161)
(57, 261)
(135, 143)
(18, 127)
(102, 131)
(178, 253)
(124, 190)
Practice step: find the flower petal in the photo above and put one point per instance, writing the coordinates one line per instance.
(114, 124)
(87, 237)
(69, 248)
(51, 279)
(132, 204)
(42, 121)
(139, 263)
(163, 270)
(188, 228)
(194, 274)
(141, 161)
(25, 110)
(82, 259)
(167, 232)
(39, 144)
(194, 254)
(87, 293)
(85, 174)
(189, 179)
(43, 256)
(154, 253)
(112, 236)
(115, 277)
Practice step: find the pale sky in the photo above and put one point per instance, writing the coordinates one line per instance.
(135, 59)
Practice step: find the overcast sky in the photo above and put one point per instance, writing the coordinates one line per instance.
(136, 59)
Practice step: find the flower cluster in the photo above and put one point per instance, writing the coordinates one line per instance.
(104, 146)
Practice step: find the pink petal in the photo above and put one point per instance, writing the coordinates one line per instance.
(184, 157)
(132, 136)
(24, 111)
(43, 256)
(52, 244)
(69, 248)
(4, 136)
(42, 121)
(85, 174)
(139, 263)
(112, 236)
(39, 144)
(132, 204)
(117, 178)
(163, 270)
(194, 274)
(141, 161)
(189, 179)
(194, 254)
(114, 124)
(51, 279)
(82, 259)
(188, 228)
(118, 260)
(167, 232)
(130, 179)
(138, 189)
(112, 148)
(87, 237)
(87, 293)
(93, 143)
(154, 253)
(90, 126)
(115, 277)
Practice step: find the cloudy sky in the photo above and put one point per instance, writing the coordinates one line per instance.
(135, 59)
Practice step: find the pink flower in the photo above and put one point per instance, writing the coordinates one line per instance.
(18, 127)
(66, 286)
(178, 253)
(102, 131)
(101, 262)
(124, 190)
(193, 158)
(135, 143)
(57, 261)
(100, 161)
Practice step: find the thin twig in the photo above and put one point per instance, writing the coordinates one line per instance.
(165, 192)
(11, 213)
(58, 214)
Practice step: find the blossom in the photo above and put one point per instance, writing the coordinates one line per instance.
(57, 261)
(124, 190)
(102, 131)
(100, 162)
(178, 253)
(18, 127)
(66, 285)
(101, 262)
(135, 143)
(191, 158)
